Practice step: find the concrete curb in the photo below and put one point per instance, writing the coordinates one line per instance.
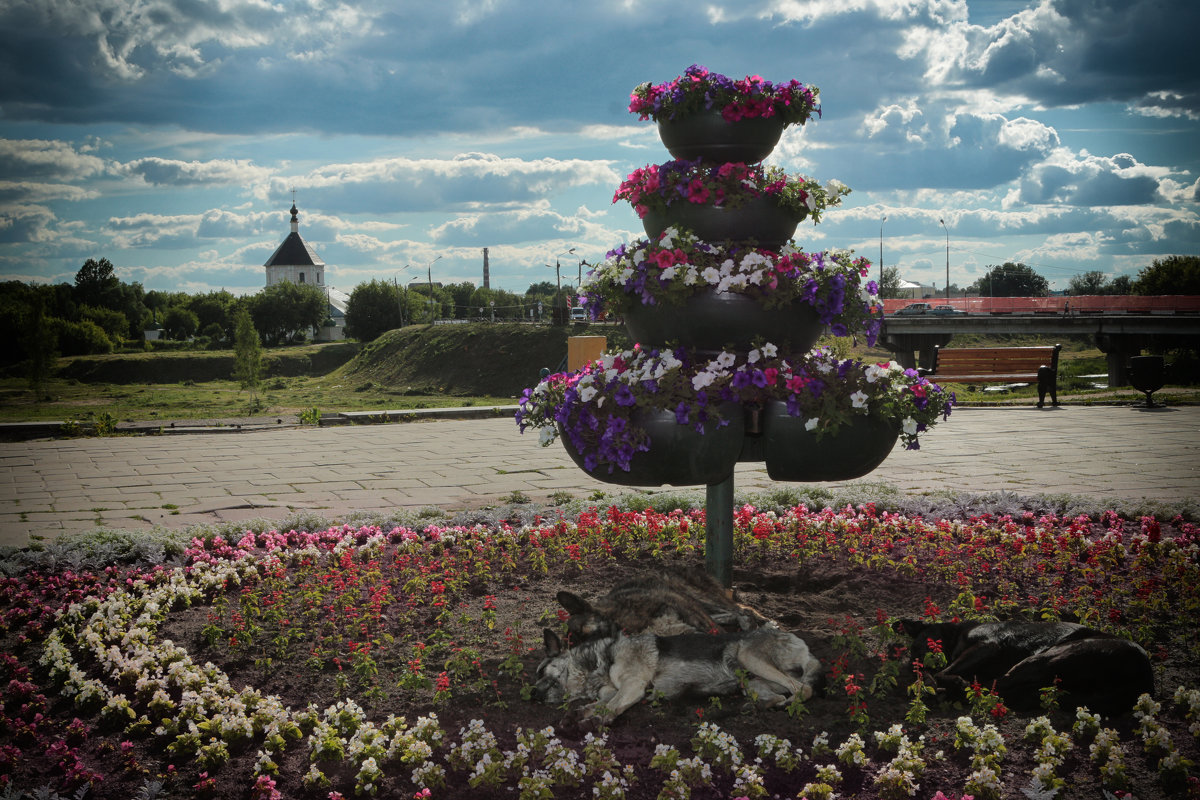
(53, 429)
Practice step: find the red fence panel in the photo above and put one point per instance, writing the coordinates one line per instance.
(1079, 304)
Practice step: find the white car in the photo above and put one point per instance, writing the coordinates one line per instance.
(579, 314)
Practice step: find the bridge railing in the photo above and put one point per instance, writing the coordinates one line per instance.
(1079, 304)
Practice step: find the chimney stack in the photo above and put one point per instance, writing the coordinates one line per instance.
(487, 284)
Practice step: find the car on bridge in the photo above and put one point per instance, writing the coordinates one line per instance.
(914, 308)
(947, 311)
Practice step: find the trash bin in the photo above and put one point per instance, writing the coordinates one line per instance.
(1147, 374)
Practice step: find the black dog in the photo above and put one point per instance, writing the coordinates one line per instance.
(1094, 669)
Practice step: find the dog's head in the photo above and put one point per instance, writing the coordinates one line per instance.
(585, 623)
(553, 677)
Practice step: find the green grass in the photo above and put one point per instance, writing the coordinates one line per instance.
(139, 402)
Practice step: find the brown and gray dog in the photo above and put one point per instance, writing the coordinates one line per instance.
(666, 603)
(616, 671)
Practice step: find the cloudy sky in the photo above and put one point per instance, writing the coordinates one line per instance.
(167, 135)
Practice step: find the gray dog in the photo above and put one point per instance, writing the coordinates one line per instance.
(616, 671)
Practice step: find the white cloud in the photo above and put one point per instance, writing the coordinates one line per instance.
(37, 158)
(218, 172)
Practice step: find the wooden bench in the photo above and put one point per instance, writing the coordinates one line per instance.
(998, 365)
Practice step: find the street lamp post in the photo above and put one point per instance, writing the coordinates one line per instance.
(558, 269)
(881, 252)
(558, 275)
(947, 259)
(429, 277)
(402, 298)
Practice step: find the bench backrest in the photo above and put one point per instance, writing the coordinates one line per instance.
(1001, 360)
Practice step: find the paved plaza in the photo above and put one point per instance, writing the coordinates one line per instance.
(48, 487)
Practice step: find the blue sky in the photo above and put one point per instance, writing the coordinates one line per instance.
(166, 135)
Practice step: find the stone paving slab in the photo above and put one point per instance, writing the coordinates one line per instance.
(51, 487)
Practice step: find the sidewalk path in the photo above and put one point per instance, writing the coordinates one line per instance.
(55, 486)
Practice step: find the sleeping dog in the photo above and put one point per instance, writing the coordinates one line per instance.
(614, 672)
(1094, 669)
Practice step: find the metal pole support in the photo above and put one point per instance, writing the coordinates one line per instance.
(718, 543)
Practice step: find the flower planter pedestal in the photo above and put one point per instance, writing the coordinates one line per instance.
(759, 219)
(714, 320)
(707, 134)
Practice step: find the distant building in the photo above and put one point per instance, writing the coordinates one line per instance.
(295, 260)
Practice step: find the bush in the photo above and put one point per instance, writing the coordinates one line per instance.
(81, 338)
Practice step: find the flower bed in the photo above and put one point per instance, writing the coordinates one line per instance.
(392, 662)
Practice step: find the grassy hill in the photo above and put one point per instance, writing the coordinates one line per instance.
(469, 359)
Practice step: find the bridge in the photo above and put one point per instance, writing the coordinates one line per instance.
(1119, 334)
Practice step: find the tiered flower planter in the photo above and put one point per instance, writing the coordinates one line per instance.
(712, 320)
(729, 322)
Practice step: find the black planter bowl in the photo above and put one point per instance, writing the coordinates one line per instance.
(759, 219)
(794, 454)
(712, 320)
(707, 134)
(678, 454)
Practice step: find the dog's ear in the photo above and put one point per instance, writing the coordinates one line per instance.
(909, 626)
(573, 603)
(553, 644)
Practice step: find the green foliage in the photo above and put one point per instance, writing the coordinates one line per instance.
(1010, 280)
(94, 280)
(1097, 283)
(889, 283)
(40, 342)
(114, 324)
(286, 309)
(179, 323)
(1170, 275)
(247, 352)
(80, 338)
(373, 308)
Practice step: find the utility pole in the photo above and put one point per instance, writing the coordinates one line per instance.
(947, 259)
(881, 252)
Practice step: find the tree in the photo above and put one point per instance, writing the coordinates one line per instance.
(1122, 284)
(461, 294)
(179, 323)
(545, 288)
(1010, 280)
(286, 309)
(1092, 282)
(1170, 275)
(247, 351)
(94, 282)
(114, 323)
(40, 341)
(373, 309)
(213, 308)
(889, 284)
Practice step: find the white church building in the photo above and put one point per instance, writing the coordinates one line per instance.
(295, 260)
